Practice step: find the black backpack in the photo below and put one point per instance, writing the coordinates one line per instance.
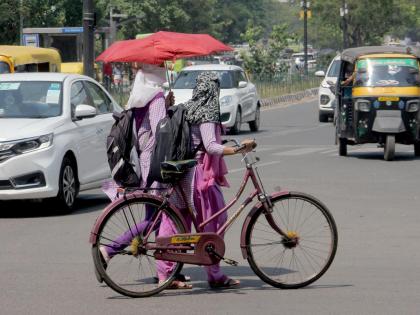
(122, 149)
(172, 142)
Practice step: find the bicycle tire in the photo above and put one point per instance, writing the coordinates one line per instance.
(115, 223)
(279, 275)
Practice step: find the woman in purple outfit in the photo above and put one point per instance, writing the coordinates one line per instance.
(202, 184)
(149, 104)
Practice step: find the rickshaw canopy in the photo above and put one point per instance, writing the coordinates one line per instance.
(352, 54)
(23, 55)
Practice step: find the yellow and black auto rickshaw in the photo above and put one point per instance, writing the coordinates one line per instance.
(29, 59)
(378, 98)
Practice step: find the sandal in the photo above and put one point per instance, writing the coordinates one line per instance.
(179, 285)
(229, 283)
(178, 277)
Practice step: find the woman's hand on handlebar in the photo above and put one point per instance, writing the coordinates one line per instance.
(247, 146)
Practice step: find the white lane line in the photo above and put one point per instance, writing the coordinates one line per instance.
(297, 152)
(242, 169)
(329, 151)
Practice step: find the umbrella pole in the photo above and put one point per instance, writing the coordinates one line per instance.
(168, 76)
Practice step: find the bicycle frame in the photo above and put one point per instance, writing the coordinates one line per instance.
(258, 191)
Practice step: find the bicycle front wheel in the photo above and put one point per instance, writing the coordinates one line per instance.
(306, 251)
(124, 235)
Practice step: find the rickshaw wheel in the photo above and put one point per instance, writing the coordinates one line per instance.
(389, 148)
(342, 146)
(417, 148)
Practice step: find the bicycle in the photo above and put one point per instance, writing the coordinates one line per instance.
(289, 238)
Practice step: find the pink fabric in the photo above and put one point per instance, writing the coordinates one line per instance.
(207, 197)
(214, 168)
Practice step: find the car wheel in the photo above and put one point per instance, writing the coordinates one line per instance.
(323, 117)
(417, 148)
(342, 146)
(68, 186)
(236, 129)
(255, 124)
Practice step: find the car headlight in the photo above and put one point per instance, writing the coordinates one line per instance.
(226, 100)
(324, 99)
(12, 148)
(413, 106)
(363, 105)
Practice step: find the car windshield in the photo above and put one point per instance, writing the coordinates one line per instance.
(30, 99)
(4, 67)
(186, 79)
(386, 72)
(334, 69)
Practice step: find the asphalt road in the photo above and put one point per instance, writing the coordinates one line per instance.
(46, 265)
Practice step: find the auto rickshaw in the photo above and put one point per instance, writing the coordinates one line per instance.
(29, 59)
(378, 98)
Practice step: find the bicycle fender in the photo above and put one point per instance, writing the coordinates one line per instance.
(248, 218)
(95, 229)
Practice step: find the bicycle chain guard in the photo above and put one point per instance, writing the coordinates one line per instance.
(190, 248)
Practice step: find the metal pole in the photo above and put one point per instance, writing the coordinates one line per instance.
(305, 34)
(343, 13)
(88, 39)
(112, 27)
(21, 22)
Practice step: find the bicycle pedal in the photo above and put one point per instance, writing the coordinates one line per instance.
(230, 262)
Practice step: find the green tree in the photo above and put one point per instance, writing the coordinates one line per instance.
(263, 57)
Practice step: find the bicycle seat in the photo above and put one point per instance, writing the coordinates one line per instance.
(172, 171)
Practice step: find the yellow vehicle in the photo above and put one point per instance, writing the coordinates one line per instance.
(29, 59)
(378, 98)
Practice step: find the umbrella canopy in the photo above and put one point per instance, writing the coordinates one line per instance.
(162, 46)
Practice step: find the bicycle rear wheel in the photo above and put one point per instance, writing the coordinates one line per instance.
(305, 254)
(132, 269)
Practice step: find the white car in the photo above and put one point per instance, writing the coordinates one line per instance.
(239, 102)
(53, 130)
(326, 96)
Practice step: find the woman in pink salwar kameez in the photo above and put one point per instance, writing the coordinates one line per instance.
(202, 184)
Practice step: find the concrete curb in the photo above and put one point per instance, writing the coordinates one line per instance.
(289, 98)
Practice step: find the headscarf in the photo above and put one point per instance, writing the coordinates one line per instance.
(147, 85)
(204, 104)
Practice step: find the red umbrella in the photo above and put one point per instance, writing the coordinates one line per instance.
(162, 46)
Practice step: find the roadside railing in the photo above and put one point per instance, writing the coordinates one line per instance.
(267, 87)
(283, 85)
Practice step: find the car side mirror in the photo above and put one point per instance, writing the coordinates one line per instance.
(84, 111)
(320, 74)
(242, 84)
(332, 86)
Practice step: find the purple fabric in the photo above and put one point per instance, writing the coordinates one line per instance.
(146, 136)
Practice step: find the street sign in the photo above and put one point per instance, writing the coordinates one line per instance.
(72, 30)
(31, 40)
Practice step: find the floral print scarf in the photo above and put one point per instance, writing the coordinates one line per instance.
(204, 104)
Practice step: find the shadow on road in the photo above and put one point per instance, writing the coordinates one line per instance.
(249, 282)
(36, 208)
(399, 156)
